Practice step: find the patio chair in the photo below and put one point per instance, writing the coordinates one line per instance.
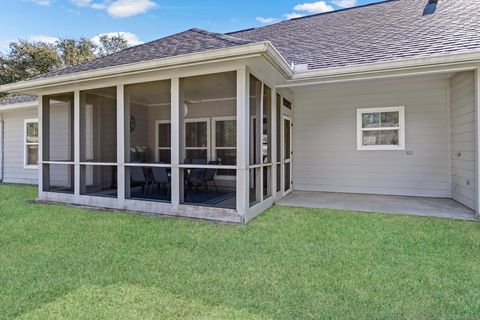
(197, 175)
(210, 176)
(137, 178)
(160, 178)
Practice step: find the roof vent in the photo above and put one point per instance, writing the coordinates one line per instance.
(430, 8)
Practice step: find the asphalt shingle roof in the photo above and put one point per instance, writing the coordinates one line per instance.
(384, 31)
(190, 41)
(16, 99)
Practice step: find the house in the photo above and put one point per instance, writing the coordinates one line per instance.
(378, 99)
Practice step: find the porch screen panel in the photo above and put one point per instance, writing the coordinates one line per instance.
(148, 127)
(255, 124)
(148, 141)
(98, 125)
(208, 140)
(267, 125)
(58, 143)
(279, 140)
(98, 142)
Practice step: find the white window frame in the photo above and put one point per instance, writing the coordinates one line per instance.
(26, 144)
(400, 128)
(157, 148)
(214, 143)
(208, 147)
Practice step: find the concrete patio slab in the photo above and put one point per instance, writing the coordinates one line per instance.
(417, 206)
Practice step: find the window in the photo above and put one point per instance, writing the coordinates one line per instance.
(163, 141)
(31, 144)
(197, 136)
(381, 128)
(225, 143)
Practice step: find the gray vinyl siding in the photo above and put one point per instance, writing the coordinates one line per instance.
(14, 170)
(325, 133)
(463, 138)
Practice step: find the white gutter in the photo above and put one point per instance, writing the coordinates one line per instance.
(443, 62)
(18, 105)
(177, 61)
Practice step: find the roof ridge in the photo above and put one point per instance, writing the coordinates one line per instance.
(313, 15)
(220, 35)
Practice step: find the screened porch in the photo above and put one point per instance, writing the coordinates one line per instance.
(167, 146)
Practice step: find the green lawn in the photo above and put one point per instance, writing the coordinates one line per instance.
(62, 262)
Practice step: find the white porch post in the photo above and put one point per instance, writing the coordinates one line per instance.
(273, 151)
(43, 147)
(243, 146)
(259, 138)
(76, 145)
(477, 137)
(175, 141)
(40, 146)
(121, 144)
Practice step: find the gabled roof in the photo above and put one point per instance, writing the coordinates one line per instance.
(17, 99)
(385, 31)
(190, 41)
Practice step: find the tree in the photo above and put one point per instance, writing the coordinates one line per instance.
(73, 52)
(28, 59)
(111, 44)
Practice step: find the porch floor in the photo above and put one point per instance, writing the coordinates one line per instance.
(417, 206)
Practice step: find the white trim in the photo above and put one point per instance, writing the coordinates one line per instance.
(243, 158)
(26, 144)
(214, 143)
(157, 148)
(274, 142)
(176, 183)
(23, 105)
(208, 147)
(76, 143)
(435, 59)
(400, 128)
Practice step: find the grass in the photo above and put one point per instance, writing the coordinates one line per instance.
(60, 262)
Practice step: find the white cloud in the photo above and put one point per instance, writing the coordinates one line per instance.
(82, 3)
(266, 20)
(43, 38)
(132, 38)
(128, 8)
(345, 3)
(314, 7)
(293, 15)
(117, 8)
(45, 3)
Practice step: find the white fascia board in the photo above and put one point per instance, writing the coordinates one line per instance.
(6, 107)
(445, 61)
(158, 64)
(274, 57)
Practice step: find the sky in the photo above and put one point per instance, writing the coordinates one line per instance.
(146, 20)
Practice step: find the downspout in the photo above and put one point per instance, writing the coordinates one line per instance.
(1, 147)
